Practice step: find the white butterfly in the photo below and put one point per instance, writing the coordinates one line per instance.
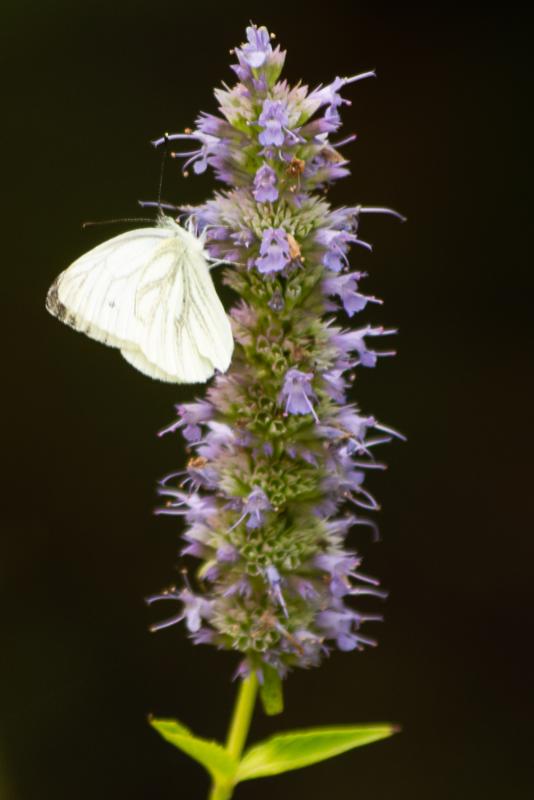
(149, 293)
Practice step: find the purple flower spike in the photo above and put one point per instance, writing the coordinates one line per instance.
(274, 120)
(297, 393)
(265, 190)
(274, 251)
(276, 455)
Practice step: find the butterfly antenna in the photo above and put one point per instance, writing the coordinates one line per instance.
(156, 204)
(115, 221)
(161, 172)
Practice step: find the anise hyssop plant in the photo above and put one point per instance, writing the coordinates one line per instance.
(276, 480)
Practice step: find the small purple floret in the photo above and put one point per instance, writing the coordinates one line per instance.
(265, 190)
(336, 244)
(258, 46)
(345, 286)
(195, 608)
(274, 251)
(191, 415)
(254, 507)
(274, 120)
(297, 393)
(354, 341)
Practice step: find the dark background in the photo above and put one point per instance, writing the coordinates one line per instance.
(442, 137)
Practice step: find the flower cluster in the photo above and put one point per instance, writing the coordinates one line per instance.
(276, 480)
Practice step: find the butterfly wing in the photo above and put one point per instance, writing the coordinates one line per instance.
(196, 337)
(136, 292)
(204, 317)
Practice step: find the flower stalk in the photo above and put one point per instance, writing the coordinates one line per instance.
(238, 732)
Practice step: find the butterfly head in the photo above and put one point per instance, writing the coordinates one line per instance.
(187, 234)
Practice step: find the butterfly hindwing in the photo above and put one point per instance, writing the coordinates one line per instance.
(204, 319)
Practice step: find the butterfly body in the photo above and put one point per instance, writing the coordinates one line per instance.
(149, 293)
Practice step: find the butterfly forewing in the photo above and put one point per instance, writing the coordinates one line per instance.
(96, 294)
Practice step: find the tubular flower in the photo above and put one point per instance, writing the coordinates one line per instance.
(265, 185)
(276, 482)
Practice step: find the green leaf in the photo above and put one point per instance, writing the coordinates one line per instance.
(271, 692)
(212, 756)
(297, 749)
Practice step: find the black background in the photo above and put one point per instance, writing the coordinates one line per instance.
(442, 137)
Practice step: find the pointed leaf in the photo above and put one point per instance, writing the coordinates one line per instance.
(297, 749)
(271, 692)
(212, 755)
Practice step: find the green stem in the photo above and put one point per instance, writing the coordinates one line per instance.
(238, 731)
(242, 716)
